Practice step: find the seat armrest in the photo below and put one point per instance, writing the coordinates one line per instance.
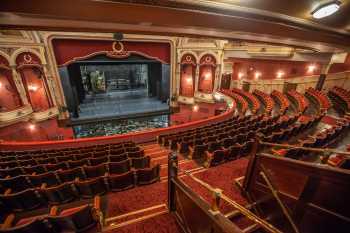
(33, 173)
(97, 202)
(43, 185)
(8, 221)
(8, 191)
(53, 211)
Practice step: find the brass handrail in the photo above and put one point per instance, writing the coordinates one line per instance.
(264, 224)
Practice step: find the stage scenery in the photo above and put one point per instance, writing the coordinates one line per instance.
(174, 116)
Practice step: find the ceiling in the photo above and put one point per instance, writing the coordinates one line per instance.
(274, 21)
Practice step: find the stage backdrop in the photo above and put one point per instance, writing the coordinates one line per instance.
(69, 50)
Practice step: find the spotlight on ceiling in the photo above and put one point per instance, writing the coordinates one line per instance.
(326, 9)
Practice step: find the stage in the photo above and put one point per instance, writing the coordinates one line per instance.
(119, 105)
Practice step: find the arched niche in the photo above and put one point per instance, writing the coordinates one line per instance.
(33, 78)
(207, 67)
(187, 75)
(9, 96)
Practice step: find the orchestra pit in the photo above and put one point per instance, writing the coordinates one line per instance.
(175, 116)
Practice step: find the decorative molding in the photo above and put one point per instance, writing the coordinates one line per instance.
(44, 115)
(14, 116)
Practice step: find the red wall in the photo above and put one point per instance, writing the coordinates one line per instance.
(9, 97)
(43, 131)
(269, 68)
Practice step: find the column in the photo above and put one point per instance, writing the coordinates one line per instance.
(19, 85)
(196, 79)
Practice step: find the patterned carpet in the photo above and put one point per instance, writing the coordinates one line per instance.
(145, 207)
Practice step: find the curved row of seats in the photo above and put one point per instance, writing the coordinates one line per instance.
(299, 100)
(16, 168)
(106, 149)
(83, 218)
(241, 102)
(321, 98)
(282, 101)
(320, 140)
(285, 133)
(27, 192)
(252, 100)
(340, 97)
(265, 99)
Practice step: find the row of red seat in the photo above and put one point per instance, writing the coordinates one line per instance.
(28, 192)
(299, 100)
(266, 99)
(7, 155)
(341, 97)
(13, 169)
(282, 100)
(81, 218)
(252, 100)
(320, 97)
(241, 102)
(292, 130)
(321, 139)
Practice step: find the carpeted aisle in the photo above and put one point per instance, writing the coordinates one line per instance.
(164, 223)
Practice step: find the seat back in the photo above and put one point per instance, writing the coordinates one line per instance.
(78, 219)
(21, 201)
(139, 163)
(218, 157)
(119, 167)
(122, 181)
(49, 178)
(118, 158)
(71, 174)
(36, 225)
(92, 187)
(59, 194)
(148, 175)
(95, 171)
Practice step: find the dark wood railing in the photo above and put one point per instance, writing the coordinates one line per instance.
(306, 197)
(192, 213)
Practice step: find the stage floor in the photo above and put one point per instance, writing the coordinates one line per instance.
(118, 105)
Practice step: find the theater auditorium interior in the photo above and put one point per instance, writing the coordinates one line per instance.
(175, 116)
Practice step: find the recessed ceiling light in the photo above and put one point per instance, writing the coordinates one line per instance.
(326, 9)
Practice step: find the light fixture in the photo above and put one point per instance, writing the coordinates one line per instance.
(240, 75)
(33, 88)
(257, 75)
(207, 76)
(0, 85)
(311, 68)
(195, 108)
(280, 74)
(188, 80)
(31, 127)
(326, 9)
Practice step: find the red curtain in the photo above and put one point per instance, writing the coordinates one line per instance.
(187, 80)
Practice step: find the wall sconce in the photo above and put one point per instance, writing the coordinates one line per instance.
(188, 80)
(0, 85)
(33, 88)
(257, 75)
(195, 108)
(280, 74)
(31, 127)
(311, 68)
(207, 76)
(240, 75)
